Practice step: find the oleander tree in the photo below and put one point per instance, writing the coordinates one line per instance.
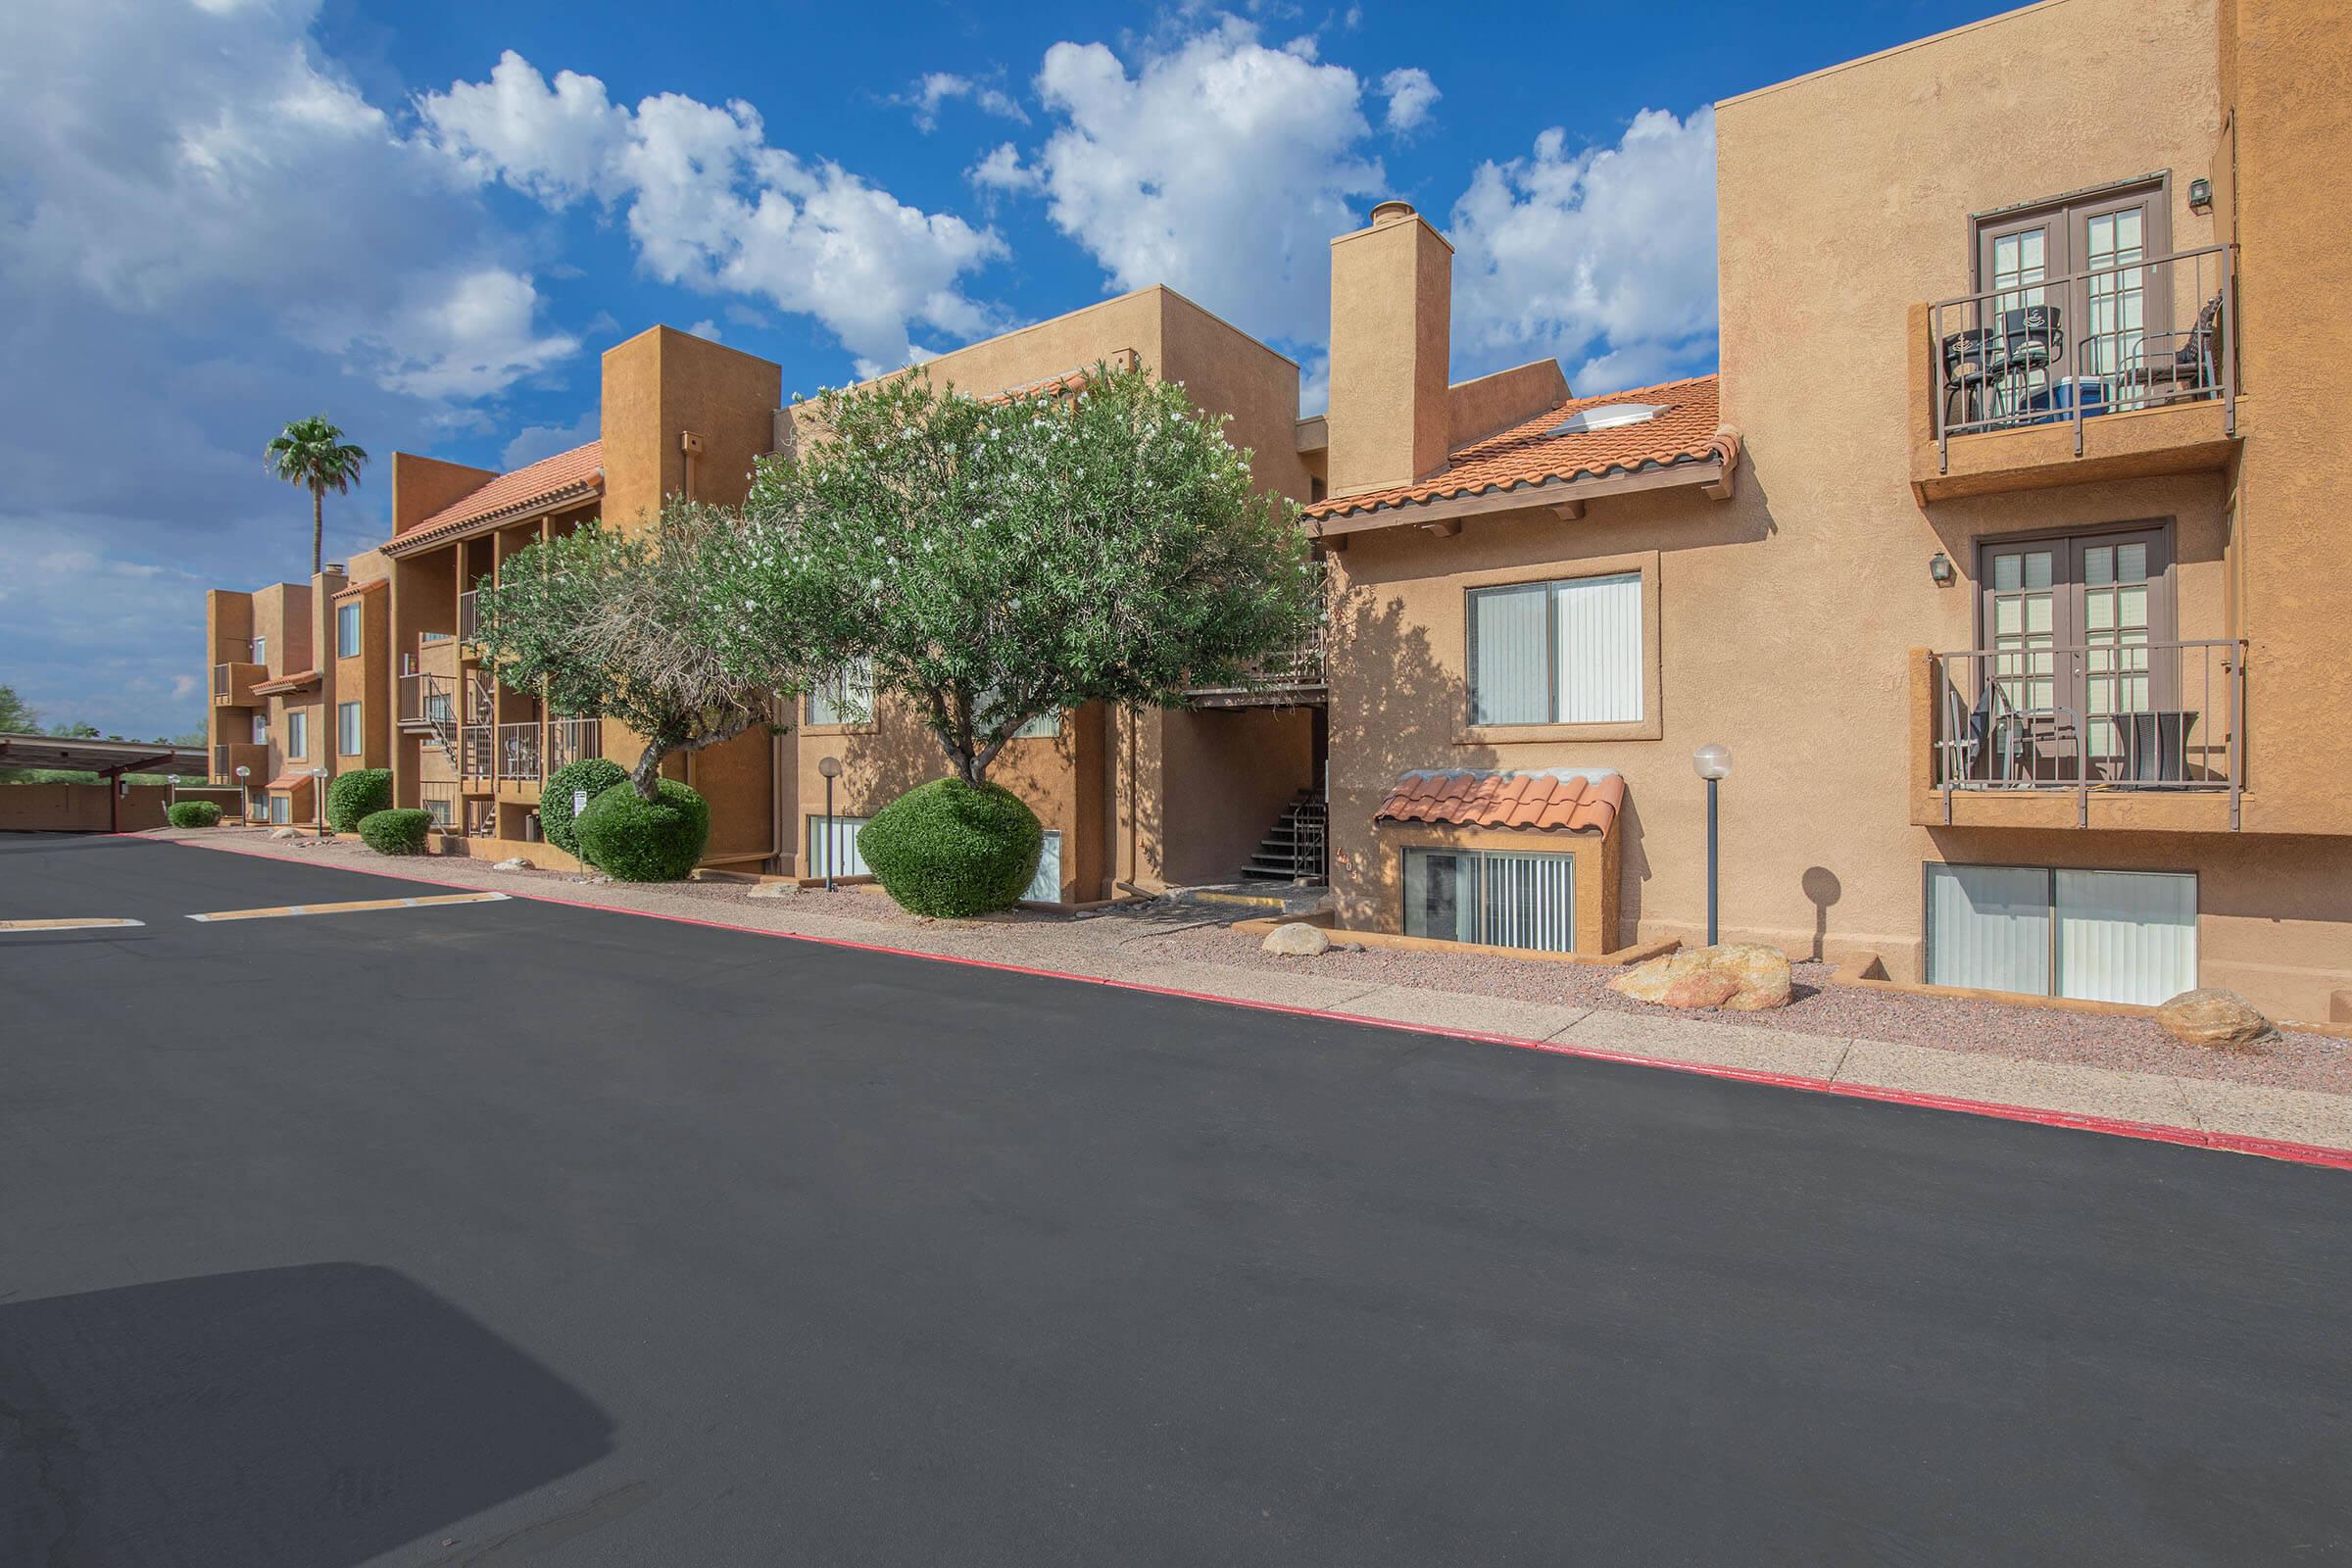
(622, 626)
(992, 561)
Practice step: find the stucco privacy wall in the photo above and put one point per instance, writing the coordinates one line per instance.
(79, 808)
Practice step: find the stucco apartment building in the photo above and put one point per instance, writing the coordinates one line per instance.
(298, 689)
(1999, 554)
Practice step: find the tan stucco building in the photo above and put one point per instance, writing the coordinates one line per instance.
(1996, 555)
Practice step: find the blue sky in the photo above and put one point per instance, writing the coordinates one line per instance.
(428, 219)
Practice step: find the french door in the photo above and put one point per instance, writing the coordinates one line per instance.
(2103, 245)
(2076, 645)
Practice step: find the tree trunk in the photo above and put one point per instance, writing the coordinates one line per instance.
(646, 777)
(318, 528)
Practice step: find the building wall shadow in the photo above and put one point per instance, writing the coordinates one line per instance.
(306, 1417)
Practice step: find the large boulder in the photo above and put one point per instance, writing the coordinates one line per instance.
(1735, 976)
(2218, 1019)
(1296, 938)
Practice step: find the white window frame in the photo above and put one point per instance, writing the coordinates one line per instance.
(842, 698)
(298, 732)
(842, 831)
(261, 650)
(1045, 886)
(261, 730)
(347, 629)
(350, 733)
(1536, 871)
(2071, 927)
(1571, 607)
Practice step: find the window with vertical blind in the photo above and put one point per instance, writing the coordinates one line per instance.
(2100, 936)
(845, 697)
(1495, 898)
(298, 732)
(1567, 652)
(833, 846)
(1045, 886)
(346, 729)
(347, 630)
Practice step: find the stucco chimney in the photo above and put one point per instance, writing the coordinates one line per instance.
(1392, 299)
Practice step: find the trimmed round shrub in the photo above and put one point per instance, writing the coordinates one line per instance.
(193, 813)
(595, 774)
(361, 792)
(949, 848)
(396, 832)
(632, 840)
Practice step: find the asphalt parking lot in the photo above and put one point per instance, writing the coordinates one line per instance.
(501, 1232)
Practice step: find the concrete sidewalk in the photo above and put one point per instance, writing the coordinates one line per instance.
(1118, 950)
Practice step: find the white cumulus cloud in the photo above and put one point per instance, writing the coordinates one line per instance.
(1603, 256)
(1410, 95)
(1213, 161)
(713, 206)
(941, 87)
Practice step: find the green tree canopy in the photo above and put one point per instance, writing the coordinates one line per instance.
(614, 625)
(312, 455)
(996, 559)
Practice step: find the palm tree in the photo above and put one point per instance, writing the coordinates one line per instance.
(312, 453)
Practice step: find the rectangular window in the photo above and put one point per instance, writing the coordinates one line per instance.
(1043, 726)
(346, 729)
(281, 808)
(261, 730)
(298, 732)
(347, 630)
(846, 697)
(1556, 653)
(2100, 936)
(261, 650)
(833, 846)
(1045, 886)
(1497, 898)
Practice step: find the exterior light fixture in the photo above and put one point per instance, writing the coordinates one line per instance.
(318, 797)
(1714, 765)
(830, 766)
(1940, 567)
(2200, 195)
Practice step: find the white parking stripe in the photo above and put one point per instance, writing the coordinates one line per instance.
(281, 910)
(62, 926)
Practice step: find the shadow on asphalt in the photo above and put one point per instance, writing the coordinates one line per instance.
(307, 1417)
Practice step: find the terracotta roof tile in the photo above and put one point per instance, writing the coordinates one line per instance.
(578, 474)
(286, 683)
(1576, 801)
(1529, 454)
(291, 779)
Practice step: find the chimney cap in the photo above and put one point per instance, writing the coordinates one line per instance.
(1392, 211)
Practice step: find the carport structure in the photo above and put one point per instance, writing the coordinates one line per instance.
(110, 760)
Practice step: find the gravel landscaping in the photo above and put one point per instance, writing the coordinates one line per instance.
(1200, 934)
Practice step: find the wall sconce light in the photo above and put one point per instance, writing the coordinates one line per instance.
(1940, 567)
(2200, 195)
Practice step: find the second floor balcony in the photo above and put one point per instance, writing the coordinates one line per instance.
(233, 683)
(2139, 735)
(2112, 372)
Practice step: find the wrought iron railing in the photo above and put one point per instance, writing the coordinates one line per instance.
(569, 740)
(518, 750)
(441, 802)
(2106, 340)
(465, 616)
(477, 751)
(428, 700)
(2091, 719)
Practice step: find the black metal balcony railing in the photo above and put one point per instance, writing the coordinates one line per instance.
(2106, 340)
(477, 751)
(569, 740)
(440, 801)
(2091, 719)
(465, 616)
(519, 752)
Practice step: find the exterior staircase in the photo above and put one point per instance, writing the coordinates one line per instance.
(1294, 851)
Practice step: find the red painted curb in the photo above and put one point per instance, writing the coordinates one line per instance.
(2110, 1126)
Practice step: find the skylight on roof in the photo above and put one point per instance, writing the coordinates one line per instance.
(1606, 416)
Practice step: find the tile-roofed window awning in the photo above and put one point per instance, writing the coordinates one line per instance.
(1577, 800)
(566, 478)
(300, 680)
(293, 778)
(1536, 463)
(369, 586)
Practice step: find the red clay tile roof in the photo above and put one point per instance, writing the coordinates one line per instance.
(1586, 801)
(286, 683)
(368, 586)
(1527, 454)
(291, 779)
(577, 474)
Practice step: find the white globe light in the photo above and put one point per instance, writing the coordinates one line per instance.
(1712, 762)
